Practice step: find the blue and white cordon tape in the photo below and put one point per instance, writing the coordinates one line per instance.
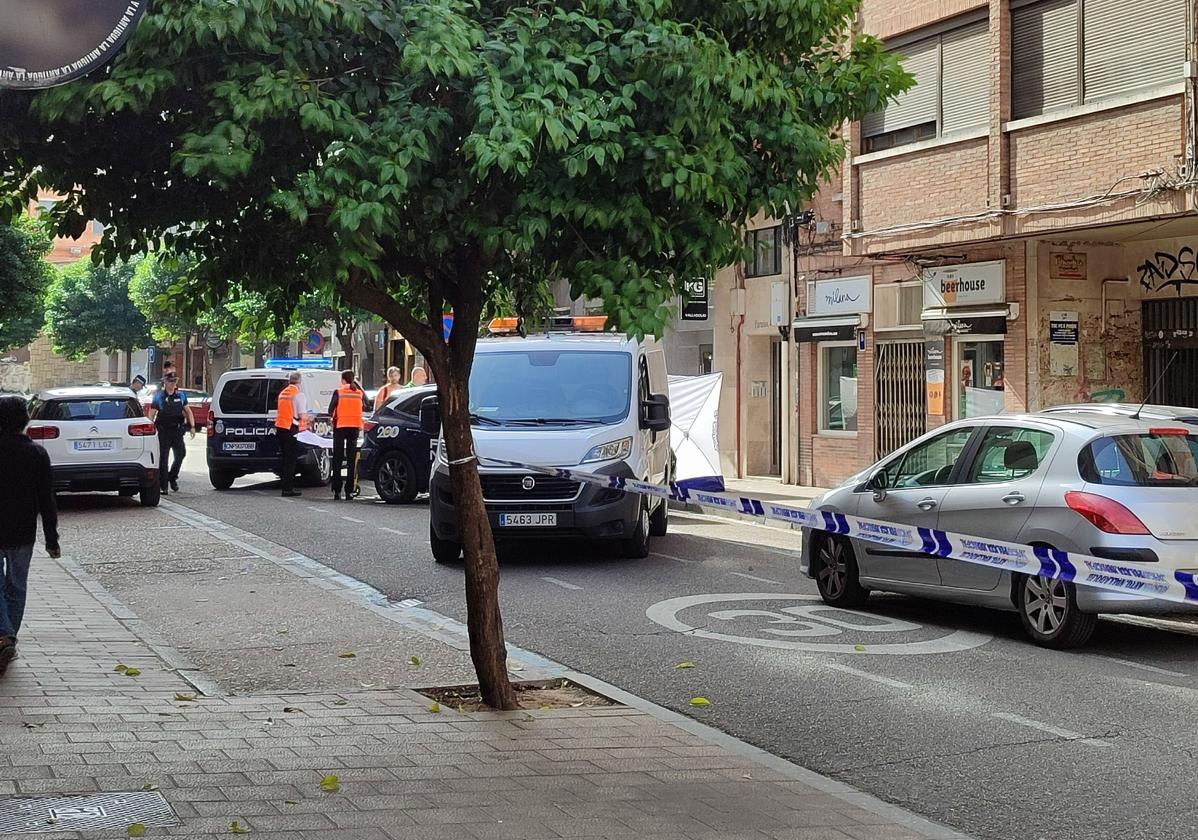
(1127, 578)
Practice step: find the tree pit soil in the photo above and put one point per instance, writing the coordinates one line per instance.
(532, 696)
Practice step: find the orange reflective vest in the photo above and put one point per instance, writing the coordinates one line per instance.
(350, 410)
(287, 416)
(385, 394)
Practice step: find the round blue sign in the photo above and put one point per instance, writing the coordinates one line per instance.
(314, 342)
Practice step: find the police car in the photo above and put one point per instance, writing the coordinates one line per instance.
(396, 452)
(242, 438)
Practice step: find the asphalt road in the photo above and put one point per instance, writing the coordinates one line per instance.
(943, 710)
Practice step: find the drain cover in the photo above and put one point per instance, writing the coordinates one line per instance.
(33, 814)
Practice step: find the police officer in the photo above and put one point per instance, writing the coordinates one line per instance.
(169, 410)
(287, 426)
(348, 409)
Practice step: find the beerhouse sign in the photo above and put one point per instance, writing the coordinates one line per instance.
(44, 43)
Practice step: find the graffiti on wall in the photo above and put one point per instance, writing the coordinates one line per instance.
(15, 377)
(1164, 271)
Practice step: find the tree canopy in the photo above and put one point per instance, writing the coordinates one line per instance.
(88, 309)
(24, 277)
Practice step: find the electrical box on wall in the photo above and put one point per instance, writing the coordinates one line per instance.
(780, 314)
(737, 302)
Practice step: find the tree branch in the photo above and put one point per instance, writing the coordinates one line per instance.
(355, 290)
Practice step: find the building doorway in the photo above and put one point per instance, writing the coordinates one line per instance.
(979, 384)
(776, 401)
(1171, 326)
(900, 394)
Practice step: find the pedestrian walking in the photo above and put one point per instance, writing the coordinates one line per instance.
(26, 493)
(347, 408)
(287, 426)
(394, 383)
(169, 411)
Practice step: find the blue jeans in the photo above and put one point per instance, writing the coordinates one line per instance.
(13, 584)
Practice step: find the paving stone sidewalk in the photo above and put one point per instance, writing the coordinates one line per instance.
(72, 724)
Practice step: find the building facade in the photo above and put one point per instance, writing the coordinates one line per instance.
(1018, 230)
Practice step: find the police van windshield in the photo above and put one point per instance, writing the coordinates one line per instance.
(551, 387)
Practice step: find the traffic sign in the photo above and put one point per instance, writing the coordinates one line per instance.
(447, 325)
(314, 342)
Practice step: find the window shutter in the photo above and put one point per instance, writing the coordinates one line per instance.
(921, 103)
(965, 78)
(1044, 57)
(1132, 45)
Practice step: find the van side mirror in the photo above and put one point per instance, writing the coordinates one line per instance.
(430, 416)
(655, 413)
(878, 482)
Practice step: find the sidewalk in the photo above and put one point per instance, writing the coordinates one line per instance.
(72, 724)
(762, 488)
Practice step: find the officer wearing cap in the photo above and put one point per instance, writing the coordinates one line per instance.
(169, 410)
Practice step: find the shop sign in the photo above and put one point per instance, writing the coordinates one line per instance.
(840, 296)
(694, 302)
(1066, 265)
(808, 332)
(964, 285)
(982, 325)
(933, 365)
(1063, 334)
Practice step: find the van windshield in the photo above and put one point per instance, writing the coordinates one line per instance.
(551, 387)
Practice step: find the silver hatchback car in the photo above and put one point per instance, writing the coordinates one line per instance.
(1088, 481)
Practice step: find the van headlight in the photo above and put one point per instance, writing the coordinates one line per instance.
(615, 451)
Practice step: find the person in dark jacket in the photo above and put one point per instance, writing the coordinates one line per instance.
(26, 492)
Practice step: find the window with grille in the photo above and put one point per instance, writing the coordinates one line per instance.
(951, 92)
(1070, 52)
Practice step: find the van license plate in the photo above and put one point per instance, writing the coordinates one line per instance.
(249, 446)
(94, 445)
(527, 520)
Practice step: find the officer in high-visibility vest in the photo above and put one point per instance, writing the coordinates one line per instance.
(348, 409)
(287, 426)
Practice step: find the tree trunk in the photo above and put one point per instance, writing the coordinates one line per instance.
(129, 366)
(346, 339)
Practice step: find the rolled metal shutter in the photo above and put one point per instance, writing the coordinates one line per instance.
(921, 103)
(965, 78)
(1044, 50)
(1132, 45)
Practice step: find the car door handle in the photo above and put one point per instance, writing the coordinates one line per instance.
(1013, 498)
(927, 504)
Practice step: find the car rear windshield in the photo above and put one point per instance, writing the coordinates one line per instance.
(244, 396)
(116, 408)
(1142, 460)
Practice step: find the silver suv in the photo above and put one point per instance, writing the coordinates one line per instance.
(1092, 482)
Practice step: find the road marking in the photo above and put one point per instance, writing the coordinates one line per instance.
(758, 579)
(355, 521)
(1067, 734)
(318, 509)
(393, 531)
(672, 557)
(1144, 667)
(560, 583)
(867, 675)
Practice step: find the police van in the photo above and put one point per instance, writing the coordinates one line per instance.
(242, 438)
(575, 397)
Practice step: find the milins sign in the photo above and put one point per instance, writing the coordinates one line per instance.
(44, 43)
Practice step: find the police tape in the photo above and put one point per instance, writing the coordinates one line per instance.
(1137, 579)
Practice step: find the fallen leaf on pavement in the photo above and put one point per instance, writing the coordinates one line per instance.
(180, 697)
(700, 701)
(235, 828)
(575, 705)
(514, 666)
(435, 708)
(368, 685)
(416, 660)
(859, 648)
(330, 784)
(136, 830)
(29, 725)
(340, 702)
(149, 787)
(683, 666)
(120, 669)
(132, 672)
(347, 655)
(291, 709)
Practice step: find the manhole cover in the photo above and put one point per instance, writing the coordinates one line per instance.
(35, 814)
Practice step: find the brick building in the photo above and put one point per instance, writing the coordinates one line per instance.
(1016, 231)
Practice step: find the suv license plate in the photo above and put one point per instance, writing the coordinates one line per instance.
(527, 520)
(249, 446)
(94, 445)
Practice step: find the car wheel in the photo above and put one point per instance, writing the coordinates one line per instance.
(1049, 612)
(221, 479)
(395, 480)
(636, 547)
(319, 475)
(444, 551)
(659, 520)
(150, 495)
(836, 576)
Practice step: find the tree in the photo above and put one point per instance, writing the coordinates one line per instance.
(88, 309)
(325, 306)
(410, 154)
(24, 277)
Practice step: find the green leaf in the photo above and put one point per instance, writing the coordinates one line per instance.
(700, 701)
(415, 660)
(435, 708)
(120, 669)
(859, 648)
(330, 784)
(236, 828)
(185, 698)
(684, 665)
(136, 830)
(132, 672)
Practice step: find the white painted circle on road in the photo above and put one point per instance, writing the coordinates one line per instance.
(788, 627)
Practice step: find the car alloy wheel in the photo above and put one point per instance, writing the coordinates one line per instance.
(1045, 603)
(394, 480)
(324, 465)
(836, 573)
(1049, 613)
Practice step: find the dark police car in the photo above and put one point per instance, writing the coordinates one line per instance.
(397, 454)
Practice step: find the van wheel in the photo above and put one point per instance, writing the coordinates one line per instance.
(150, 495)
(394, 479)
(221, 479)
(836, 577)
(319, 475)
(659, 520)
(1049, 613)
(444, 551)
(636, 547)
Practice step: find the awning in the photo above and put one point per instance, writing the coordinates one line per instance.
(966, 320)
(831, 328)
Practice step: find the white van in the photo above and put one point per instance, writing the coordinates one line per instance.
(242, 436)
(592, 402)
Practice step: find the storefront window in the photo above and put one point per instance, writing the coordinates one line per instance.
(838, 388)
(980, 374)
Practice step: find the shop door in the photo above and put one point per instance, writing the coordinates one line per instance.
(1163, 320)
(776, 400)
(900, 394)
(980, 384)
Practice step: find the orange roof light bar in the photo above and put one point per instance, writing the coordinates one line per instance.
(590, 323)
(504, 326)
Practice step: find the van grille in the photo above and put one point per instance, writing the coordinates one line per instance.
(511, 488)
